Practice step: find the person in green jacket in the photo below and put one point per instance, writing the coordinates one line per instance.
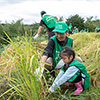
(97, 29)
(73, 72)
(48, 21)
(75, 30)
(55, 44)
(70, 28)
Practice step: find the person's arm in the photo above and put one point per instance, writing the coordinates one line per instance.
(60, 74)
(39, 31)
(40, 69)
(48, 51)
(65, 77)
(43, 59)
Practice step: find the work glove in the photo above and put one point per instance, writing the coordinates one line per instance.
(39, 71)
(35, 37)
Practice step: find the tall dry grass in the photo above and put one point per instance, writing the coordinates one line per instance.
(18, 64)
(87, 46)
(19, 61)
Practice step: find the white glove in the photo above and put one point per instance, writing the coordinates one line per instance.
(39, 70)
(35, 37)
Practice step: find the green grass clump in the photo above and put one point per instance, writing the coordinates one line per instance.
(18, 64)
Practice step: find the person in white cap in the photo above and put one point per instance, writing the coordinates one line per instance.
(48, 21)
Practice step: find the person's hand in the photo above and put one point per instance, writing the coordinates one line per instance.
(39, 72)
(35, 37)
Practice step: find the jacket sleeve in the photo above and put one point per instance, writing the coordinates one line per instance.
(48, 51)
(66, 76)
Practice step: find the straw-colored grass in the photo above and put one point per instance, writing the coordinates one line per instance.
(87, 46)
(19, 61)
(18, 64)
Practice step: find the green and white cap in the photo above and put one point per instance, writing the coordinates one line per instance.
(61, 27)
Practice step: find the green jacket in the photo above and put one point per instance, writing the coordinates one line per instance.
(82, 71)
(49, 20)
(58, 48)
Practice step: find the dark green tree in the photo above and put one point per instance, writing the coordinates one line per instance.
(61, 18)
(14, 29)
(91, 24)
(56, 18)
(1, 35)
(76, 20)
(1, 30)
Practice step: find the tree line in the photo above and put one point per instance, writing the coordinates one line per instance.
(17, 28)
(82, 23)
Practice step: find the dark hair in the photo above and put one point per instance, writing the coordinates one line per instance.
(68, 51)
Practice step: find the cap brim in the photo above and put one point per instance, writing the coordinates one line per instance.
(60, 31)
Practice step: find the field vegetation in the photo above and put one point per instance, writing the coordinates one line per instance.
(20, 59)
(20, 56)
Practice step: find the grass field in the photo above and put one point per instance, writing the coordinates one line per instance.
(19, 61)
